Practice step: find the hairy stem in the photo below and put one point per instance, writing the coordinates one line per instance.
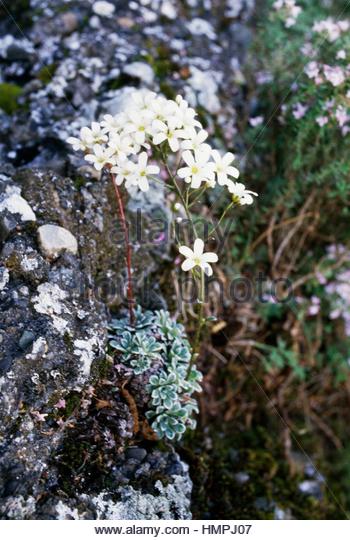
(179, 192)
(131, 301)
(201, 322)
(221, 218)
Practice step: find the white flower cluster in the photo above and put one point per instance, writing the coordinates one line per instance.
(122, 144)
(331, 29)
(290, 11)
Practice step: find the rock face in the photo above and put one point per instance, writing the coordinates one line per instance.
(78, 61)
(52, 346)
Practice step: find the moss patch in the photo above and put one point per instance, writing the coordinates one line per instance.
(9, 94)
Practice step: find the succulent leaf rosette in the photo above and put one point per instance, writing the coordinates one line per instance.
(157, 340)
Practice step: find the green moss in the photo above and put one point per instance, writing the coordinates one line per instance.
(72, 403)
(79, 181)
(9, 94)
(46, 73)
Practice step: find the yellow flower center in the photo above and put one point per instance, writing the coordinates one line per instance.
(194, 169)
(236, 199)
(197, 260)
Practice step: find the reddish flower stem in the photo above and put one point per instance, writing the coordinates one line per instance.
(131, 301)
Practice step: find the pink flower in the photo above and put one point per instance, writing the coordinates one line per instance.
(308, 50)
(263, 77)
(335, 75)
(299, 111)
(160, 238)
(39, 416)
(320, 278)
(341, 55)
(313, 310)
(322, 120)
(330, 28)
(329, 104)
(312, 69)
(256, 121)
(61, 404)
(341, 116)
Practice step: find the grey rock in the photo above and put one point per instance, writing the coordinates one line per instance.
(4, 278)
(26, 339)
(8, 225)
(87, 55)
(140, 70)
(136, 453)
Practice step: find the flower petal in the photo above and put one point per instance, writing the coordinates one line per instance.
(187, 265)
(232, 171)
(198, 247)
(210, 257)
(159, 138)
(188, 158)
(184, 172)
(228, 158)
(186, 251)
(207, 269)
(143, 159)
(152, 169)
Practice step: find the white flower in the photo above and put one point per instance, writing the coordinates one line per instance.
(88, 137)
(186, 115)
(124, 170)
(162, 109)
(143, 99)
(139, 126)
(96, 133)
(341, 55)
(196, 140)
(122, 146)
(167, 132)
(85, 142)
(101, 156)
(198, 169)
(241, 195)
(196, 257)
(223, 167)
(111, 123)
(141, 171)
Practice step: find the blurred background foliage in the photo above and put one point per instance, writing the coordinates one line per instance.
(277, 373)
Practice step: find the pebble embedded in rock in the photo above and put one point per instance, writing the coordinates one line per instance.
(26, 339)
(55, 240)
(136, 453)
(15, 204)
(4, 278)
